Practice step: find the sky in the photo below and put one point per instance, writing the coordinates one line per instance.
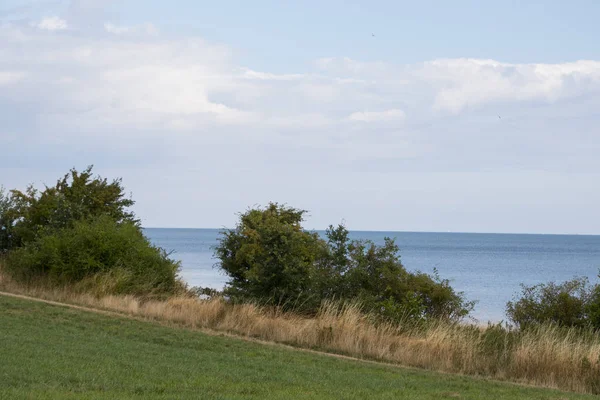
(463, 116)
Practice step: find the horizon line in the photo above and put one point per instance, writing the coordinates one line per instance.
(388, 231)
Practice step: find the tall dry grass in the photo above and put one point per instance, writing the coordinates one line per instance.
(546, 356)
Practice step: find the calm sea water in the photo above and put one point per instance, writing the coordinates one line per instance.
(487, 267)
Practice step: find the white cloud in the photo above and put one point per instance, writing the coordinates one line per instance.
(9, 77)
(52, 24)
(375, 116)
(266, 76)
(144, 29)
(192, 94)
(456, 85)
(344, 131)
(465, 83)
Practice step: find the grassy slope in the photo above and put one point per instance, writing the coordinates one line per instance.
(54, 352)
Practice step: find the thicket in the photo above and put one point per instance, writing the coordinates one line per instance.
(269, 257)
(81, 231)
(574, 303)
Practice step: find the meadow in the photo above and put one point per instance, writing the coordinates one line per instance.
(551, 357)
(55, 352)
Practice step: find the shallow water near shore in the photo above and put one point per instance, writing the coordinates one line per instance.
(487, 267)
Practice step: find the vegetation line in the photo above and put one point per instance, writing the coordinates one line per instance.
(74, 306)
(213, 332)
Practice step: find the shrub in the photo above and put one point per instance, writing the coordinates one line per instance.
(81, 232)
(100, 255)
(375, 275)
(75, 196)
(6, 221)
(574, 303)
(269, 257)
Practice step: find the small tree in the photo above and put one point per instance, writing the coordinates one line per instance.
(75, 196)
(573, 303)
(80, 232)
(374, 274)
(100, 255)
(268, 256)
(6, 221)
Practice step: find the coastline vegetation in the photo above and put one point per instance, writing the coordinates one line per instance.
(76, 242)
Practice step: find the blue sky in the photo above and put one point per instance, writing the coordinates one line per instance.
(455, 116)
(405, 31)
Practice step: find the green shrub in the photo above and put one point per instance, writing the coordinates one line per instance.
(375, 275)
(269, 257)
(6, 221)
(574, 303)
(76, 196)
(99, 254)
(593, 307)
(80, 232)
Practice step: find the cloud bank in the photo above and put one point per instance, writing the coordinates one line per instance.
(130, 99)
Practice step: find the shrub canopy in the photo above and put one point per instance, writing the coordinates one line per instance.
(81, 231)
(76, 196)
(269, 257)
(101, 254)
(573, 303)
(6, 221)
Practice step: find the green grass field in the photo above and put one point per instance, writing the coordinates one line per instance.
(53, 352)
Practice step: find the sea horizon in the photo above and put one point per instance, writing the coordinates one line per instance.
(409, 231)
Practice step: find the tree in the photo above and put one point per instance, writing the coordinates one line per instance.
(573, 303)
(75, 196)
(6, 221)
(80, 232)
(100, 255)
(374, 274)
(269, 257)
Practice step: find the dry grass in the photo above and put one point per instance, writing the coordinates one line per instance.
(548, 356)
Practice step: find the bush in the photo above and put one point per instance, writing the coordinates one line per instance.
(81, 232)
(375, 276)
(101, 255)
(76, 196)
(6, 221)
(574, 303)
(269, 257)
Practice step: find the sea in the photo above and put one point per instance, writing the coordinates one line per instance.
(488, 268)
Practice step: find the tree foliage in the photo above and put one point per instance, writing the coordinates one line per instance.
(573, 303)
(270, 257)
(6, 221)
(76, 196)
(375, 275)
(107, 256)
(81, 231)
